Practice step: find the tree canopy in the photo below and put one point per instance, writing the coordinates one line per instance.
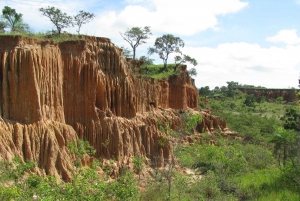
(168, 44)
(82, 18)
(57, 17)
(12, 20)
(136, 36)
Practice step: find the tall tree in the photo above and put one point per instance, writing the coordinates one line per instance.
(12, 17)
(136, 36)
(168, 44)
(57, 17)
(82, 18)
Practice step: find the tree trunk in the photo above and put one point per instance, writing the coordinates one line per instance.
(284, 154)
(133, 57)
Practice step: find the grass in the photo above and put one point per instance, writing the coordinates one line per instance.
(47, 36)
(268, 184)
(155, 71)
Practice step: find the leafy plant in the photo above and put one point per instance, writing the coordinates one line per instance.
(82, 18)
(136, 36)
(57, 17)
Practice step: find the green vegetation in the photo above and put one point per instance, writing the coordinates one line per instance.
(87, 183)
(13, 20)
(168, 44)
(262, 164)
(82, 18)
(136, 36)
(156, 72)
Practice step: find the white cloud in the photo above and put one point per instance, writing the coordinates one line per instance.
(179, 17)
(169, 16)
(288, 37)
(247, 64)
(297, 1)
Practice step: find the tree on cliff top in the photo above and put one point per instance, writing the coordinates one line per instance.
(82, 18)
(168, 44)
(57, 17)
(136, 36)
(13, 20)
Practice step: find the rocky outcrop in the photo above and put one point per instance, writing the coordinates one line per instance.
(52, 93)
(288, 95)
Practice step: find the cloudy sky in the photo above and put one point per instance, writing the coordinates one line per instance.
(253, 42)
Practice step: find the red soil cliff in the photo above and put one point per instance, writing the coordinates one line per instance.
(56, 92)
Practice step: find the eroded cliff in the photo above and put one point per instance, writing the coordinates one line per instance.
(53, 93)
(288, 95)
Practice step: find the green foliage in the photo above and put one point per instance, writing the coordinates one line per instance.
(13, 20)
(138, 163)
(192, 72)
(146, 60)
(156, 72)
(57, 17)
(204, 91)
(291, 118)
(267, 184)
(106, 143)
(126, 52)
(79, 148)
(3, 25)
(283, 139)
(82, 18)
(136, 36)
(250, 101)
(124, 188)
(231, 88)
(86, 184)
(166, 45)
(15, 170)
(184, 59)
(191, 122)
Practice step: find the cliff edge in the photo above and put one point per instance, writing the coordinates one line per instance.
(53, 93)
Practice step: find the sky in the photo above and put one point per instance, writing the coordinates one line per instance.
(253, 42)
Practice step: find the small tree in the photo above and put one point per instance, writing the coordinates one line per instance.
(57, 17)
(146, 60)
(82, 18)
(136, 36)
(283, 139)
(14, 19)
(249, 101)
(127, 53)
(185, 58)
(166, 45)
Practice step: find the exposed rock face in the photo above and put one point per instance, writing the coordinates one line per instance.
(288, 95)
(53, 93)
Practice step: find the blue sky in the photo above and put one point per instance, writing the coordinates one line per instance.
(248, 41)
